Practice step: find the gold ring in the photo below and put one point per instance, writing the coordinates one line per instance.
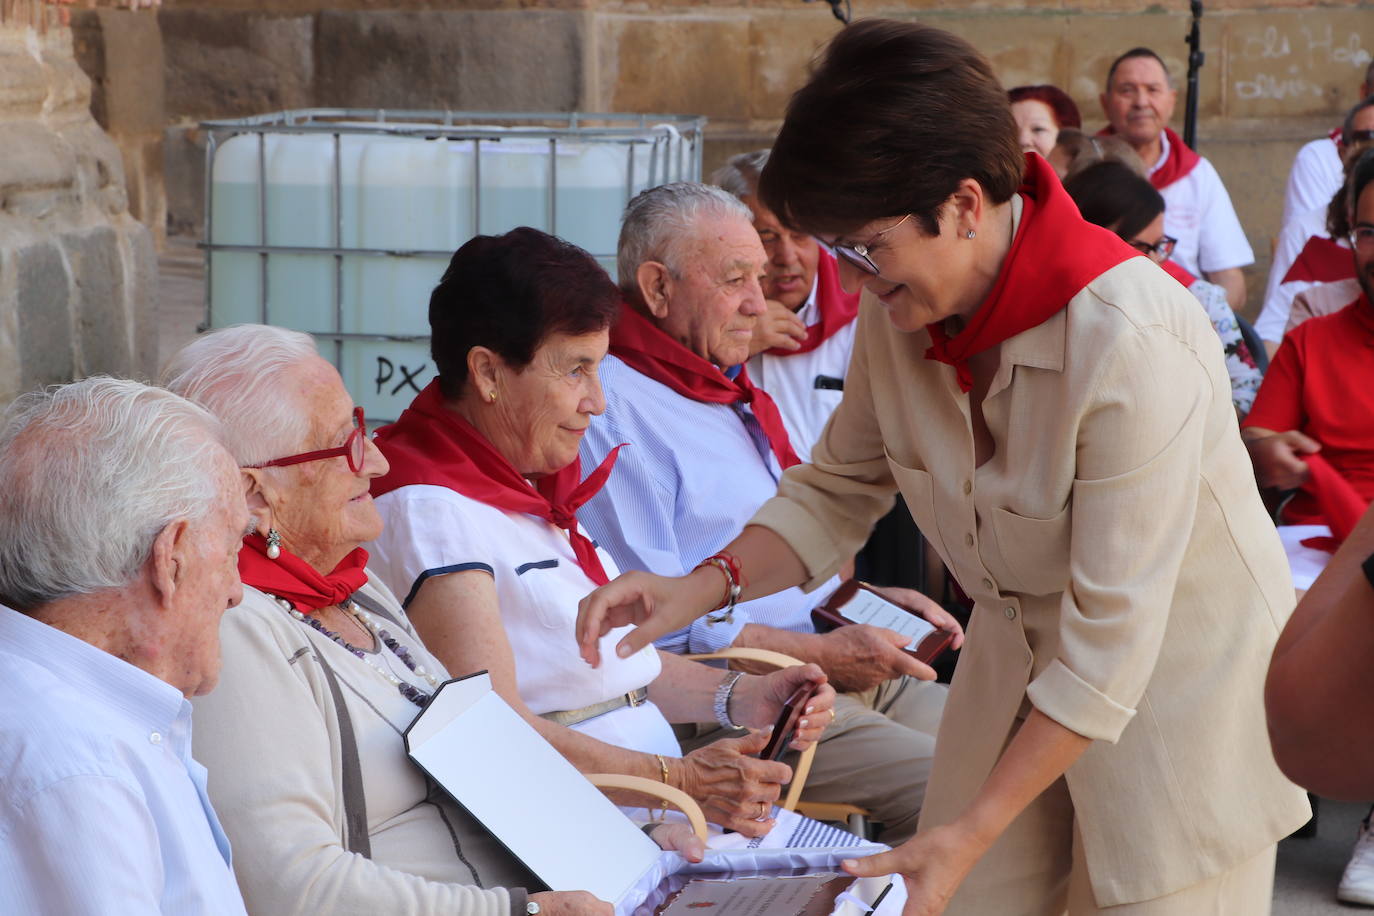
(763, 812)
(832, 714)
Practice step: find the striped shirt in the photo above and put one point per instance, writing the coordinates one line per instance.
(692, 475)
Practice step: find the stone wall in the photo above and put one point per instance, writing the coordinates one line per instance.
(1278, 72)
(77, 271)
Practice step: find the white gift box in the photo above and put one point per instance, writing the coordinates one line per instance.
(494, 764)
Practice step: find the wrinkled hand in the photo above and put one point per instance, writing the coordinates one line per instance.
(933, 863)
(925, 607)
(659, 604)
(777, 327)
(733, 787)
(859, 657)
(757, 701)
(680, 838)
(1278, 459)
(571, 903)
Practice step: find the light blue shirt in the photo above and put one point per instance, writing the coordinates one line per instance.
(691, 477)
(102, 809)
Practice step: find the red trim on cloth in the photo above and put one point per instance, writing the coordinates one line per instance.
(1182, 160)
(837, 307)
(1322, 260)
(431, 444)
(1178, 273)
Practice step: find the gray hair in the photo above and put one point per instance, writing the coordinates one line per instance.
(657, 222)
(91, 473)
(740, 176)
(235, 373)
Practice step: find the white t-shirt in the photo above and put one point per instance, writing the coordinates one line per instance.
(434, 531)
(1315, 178)
(1278, 295)
(1198, 212)
(801, 383)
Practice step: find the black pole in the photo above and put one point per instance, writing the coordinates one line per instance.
(1195, 59)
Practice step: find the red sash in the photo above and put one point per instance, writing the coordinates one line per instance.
(431, 444)
(1322, 260)
(1054, 254)
(1181, 161)
(836, 306)
(291, 578)
(640, 344)
(1179, 274)
(1341, 506)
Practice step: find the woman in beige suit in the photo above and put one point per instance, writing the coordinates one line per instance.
(1056, 412)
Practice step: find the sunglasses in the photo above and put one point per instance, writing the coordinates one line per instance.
(355, 449)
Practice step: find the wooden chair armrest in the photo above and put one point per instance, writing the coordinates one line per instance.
(673, 796)
(765, 656)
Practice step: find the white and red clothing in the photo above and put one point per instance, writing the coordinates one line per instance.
(807, 384)
(1304, 256)
(1314, 179)
(1198, 211)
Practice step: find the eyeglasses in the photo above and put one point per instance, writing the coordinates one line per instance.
(857, 255)
(1159, 251)
(1362, 238)
(355, 449)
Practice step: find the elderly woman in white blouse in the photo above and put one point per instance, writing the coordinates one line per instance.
(322, 672)
(481, 534)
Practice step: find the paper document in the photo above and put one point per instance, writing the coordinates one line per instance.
(790, 895)
(866, 607)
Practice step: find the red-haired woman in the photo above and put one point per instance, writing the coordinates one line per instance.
(1040, 113)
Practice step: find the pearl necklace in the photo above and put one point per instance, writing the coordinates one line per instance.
(364, 619)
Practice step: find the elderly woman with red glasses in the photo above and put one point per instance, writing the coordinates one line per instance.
(322, 671)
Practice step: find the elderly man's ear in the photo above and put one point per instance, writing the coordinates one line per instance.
(655, 287)
(169, 558)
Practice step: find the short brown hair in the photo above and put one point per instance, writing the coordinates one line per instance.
(893, 118)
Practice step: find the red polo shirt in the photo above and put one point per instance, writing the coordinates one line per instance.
(1321, 383)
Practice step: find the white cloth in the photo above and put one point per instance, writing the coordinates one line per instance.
(432, 531)
(792, 380)
(1278, 294)
(691, 477)
(1315, 178)
(102, 809)
(1306, 563)
(1198, 212)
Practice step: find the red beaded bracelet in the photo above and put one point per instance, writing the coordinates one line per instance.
(729, 566)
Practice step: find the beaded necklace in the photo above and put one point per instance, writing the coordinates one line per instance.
(409, 691)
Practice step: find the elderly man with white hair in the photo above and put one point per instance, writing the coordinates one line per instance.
(119, 527)
(706, 450)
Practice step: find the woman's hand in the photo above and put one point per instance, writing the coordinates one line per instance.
(933, 863)
(680, 838)
(658, 604)
(734, 788)
(571, 903)
(925, 607)
(758, 700)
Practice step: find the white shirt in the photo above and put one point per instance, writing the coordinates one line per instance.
(1315, 178)
(799, 383)
(1198, 212)
(1279, 295)
(102, 809)
(692, 475)
(432, 531)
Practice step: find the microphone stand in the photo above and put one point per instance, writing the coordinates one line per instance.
(839, 8)
(1195, 59)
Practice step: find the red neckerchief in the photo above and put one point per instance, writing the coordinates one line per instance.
(431, 444)
(291, 578)
(1179, 274)
(1181, 161)
(1322, 260)
(836, 306)
(1341, 506)
(1054, 254)
(1336, 135)
(642, 346)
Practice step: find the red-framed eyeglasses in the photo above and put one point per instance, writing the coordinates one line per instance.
(355, 449)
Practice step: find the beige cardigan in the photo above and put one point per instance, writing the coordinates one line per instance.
(1127, 581)
(269, 736)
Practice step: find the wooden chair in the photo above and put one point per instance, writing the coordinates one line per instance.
(854, 817)
(652, 787)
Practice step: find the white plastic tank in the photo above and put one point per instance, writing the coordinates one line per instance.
(346, 229)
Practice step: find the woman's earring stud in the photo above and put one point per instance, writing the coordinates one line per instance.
(273, 543)
(491, 396)
(969, 234)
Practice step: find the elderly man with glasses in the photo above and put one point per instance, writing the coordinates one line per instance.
(122, 517)
(706, 450)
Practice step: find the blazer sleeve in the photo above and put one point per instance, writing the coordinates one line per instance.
(826, 509)
(1134, 498)
(263, 736)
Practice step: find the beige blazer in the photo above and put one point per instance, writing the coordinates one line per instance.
(1127, 581)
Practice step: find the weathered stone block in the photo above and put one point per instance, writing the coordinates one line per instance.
(43, 296)
(141, 290)
(524, 61)
(38, 173)
(782, 46)
(233, 64)
(121, 52)
(101, 313)
(183, 150)
(686, 66)
(23, 86)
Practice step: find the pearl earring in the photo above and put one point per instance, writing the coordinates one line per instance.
(273, 543)
(969, 234)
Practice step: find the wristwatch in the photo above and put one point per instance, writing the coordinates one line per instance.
(533, 908)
